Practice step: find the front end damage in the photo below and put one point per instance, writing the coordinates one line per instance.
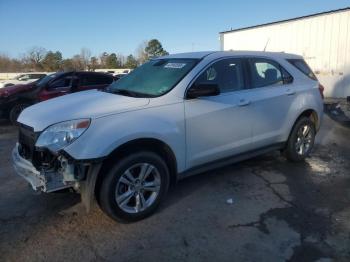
(49, 172)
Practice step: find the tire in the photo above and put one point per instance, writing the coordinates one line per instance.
(301, 140)
(15, 111)
(120, 194)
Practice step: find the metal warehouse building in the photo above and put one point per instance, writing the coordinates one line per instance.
(323, 39)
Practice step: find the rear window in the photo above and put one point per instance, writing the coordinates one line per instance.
(303, 67)
(95, 79)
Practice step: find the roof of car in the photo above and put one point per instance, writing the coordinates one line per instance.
(200, 55)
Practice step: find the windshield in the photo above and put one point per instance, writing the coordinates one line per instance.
(18, 77)
(153, 78)
(43, 81)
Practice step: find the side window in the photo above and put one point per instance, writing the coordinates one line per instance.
(62, 82)
(91, 80)
(265, 72)
(227, 74)
(24, 77)
(303, 67)
(36, 76)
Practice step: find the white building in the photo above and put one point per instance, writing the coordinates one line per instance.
(323, 39)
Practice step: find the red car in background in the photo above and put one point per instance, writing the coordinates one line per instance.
(14, 99)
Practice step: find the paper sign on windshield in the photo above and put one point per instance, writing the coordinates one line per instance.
(175, 65)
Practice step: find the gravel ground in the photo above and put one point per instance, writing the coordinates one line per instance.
(280, 211)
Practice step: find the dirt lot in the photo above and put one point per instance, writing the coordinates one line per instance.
(280, 211)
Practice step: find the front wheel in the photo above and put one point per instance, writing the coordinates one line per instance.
(301, 140)
(134, 187)
(15, 111)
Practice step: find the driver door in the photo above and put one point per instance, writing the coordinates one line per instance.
(57, 87)
(219, 126)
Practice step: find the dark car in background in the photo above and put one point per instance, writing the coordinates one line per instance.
(14, 99)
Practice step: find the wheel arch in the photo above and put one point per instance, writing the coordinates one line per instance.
(309, 113)
(312, 114)
(142, 144)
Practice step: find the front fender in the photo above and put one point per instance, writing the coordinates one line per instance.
(105, 134)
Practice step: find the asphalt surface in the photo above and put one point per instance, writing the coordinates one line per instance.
(264, 209)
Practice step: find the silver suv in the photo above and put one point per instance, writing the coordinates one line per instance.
(172, 117)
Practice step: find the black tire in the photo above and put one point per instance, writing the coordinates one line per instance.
(108, 187)
(292, 151)
(16, 110)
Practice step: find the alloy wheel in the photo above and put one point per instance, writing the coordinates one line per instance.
(138, 188)
(304, 140)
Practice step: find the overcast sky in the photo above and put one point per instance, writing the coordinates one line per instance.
(120, 26)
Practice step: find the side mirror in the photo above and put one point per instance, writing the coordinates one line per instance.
(288, 79)
(202, 89)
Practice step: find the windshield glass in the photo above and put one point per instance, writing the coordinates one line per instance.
(153, 78)
(43, 81)
(18, 77)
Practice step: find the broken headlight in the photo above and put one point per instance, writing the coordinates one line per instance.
(62, 134)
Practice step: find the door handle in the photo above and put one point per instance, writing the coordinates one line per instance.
(290, 92)
(243, 102)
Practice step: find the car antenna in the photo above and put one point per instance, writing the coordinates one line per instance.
(267, 42)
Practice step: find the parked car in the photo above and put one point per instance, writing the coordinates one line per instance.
(22, 79)
(14, 99)
(172, 117)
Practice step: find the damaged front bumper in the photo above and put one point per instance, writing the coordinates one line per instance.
(62, 178)
(45, 181)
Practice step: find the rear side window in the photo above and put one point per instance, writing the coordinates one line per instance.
(303, 67)
(36, 76)
(94, 79)
(62, 82)
(227, 74)
(265, 72)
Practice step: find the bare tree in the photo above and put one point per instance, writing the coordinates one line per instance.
(77, 63)
(85, 56)
(121, 60)
(35, 55)
(103, 59)
(141, 53)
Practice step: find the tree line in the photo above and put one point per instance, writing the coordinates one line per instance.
(39, 59)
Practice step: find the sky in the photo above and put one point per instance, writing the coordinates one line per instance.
(121, 26)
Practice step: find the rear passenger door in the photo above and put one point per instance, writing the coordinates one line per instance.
(272, 95)
(219, 126)
(93, 81)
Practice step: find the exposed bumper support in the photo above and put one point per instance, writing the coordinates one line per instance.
(26, 170)
(50, 181)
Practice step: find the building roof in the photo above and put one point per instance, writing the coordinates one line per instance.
(288, 20)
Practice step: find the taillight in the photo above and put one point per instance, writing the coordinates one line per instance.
(321, 89)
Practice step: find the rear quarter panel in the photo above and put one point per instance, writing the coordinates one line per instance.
(307, 97)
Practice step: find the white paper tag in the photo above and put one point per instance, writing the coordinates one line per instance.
(175, 65)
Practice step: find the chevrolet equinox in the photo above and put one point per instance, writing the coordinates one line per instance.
(172, 117)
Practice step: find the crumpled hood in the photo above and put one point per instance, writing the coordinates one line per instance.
(14, 89)
(87, 104)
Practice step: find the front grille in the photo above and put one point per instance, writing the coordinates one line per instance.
(26, 139)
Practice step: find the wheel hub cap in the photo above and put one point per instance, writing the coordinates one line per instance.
(138, 188)
(304, 140)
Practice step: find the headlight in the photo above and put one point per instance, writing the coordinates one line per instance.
(62, 134)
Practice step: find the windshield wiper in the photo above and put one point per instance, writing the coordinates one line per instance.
(125, 92)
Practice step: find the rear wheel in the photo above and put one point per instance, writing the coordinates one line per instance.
(16, 110)
(301, 140)
(134, 187)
